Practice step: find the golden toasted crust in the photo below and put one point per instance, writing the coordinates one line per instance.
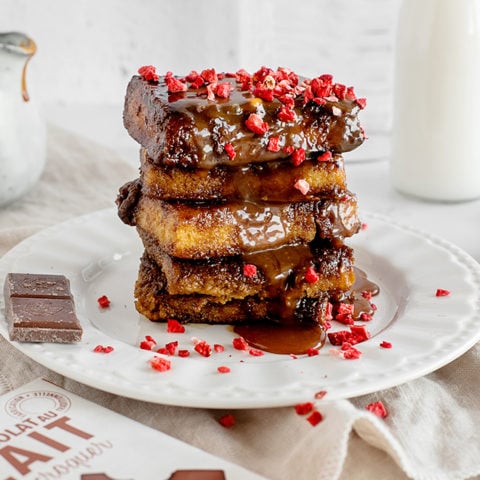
(277, 271)
(206, 231)
(268, 182)
(156, 304)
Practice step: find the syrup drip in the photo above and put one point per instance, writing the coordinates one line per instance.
(282, 338)
(29, 47)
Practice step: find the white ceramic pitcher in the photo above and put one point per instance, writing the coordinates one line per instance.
(22, 131)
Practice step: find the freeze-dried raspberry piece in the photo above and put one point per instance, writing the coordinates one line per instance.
(230, 151)
(302, 186)
(147, 344)
(256, 124)
(273, 145)
(350, 352)
(103, 301)
(312, 351)
(361, 102)
(108, 349)
(325, 157)
(160, 364)
(303, 408)
(442, 292)
(174, 85)
(263, 93)
(183, 353)
(98, 349)
(148, 72)
(223, 369)
(286, 114)
(377, 408)
(239, 343)
(218, 348)
(367, 295)
(171, 347)
(366, 317)
(298, 157)
(174, 326)
(209, 75)
(223, 90)
(360, 333)
(386, 344)
(345, 313)
(311, 276)
(338, 338)
(249, 270)
(320, 394)
(203, 348)
(315, 418)
(364, 226)
(254, 352)
(340, 91)
(287, 100)
(227, 420)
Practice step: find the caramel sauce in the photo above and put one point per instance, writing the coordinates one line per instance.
(29, 47)
(282, 339)
(286, 338)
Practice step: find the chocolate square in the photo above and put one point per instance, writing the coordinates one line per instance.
(40, 308)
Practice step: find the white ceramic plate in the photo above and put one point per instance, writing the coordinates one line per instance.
(100, 256)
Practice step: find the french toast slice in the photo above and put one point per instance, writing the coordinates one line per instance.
(190, 128)
(153, 301)
(276, 271)
(204, 230)
(267, 182)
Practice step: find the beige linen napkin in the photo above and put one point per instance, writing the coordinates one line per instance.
(431, 431)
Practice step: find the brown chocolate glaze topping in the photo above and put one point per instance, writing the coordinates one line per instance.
(188, 129)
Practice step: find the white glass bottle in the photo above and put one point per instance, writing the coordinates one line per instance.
(436, 121)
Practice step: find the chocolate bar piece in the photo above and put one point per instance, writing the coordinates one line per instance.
(40, 308)
(197, 475)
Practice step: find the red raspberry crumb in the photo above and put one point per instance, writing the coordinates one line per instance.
(147, 344)
(386, 344)
(239, 343)
(223, 369)
(293, 356)
(103, 301)
(315, 418)
(148, 72)
(174, 85)
(288, 149)
(209, 75)
(298, 157)
(263, 93)
(249, 270)
(367, 295)
(319, 395)
(174, 326)
(361, 102)
(364, 226)
(325, 157)
(108, 349)
(183, 353)
(203, 348)
(311, 352)
(303, 408)
(255, 352)
(338, 338)
(256, 124)
(374, 307)
(98, 349)
(286, 114)
(150, 339)
(377, 408)
(350, 352)
(230, 151)
(287, 100)
(366, 317)
(311, 276)
(160, 364)
(302, 185)
(442, 293)
(360, 333)
(171, 347)
(227, 420)
(273, 145)
(218, 348)
(162, 350)
(223, 89)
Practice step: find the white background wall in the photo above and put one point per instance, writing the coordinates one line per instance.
(88, 49)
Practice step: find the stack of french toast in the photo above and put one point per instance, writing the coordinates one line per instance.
(241, 204)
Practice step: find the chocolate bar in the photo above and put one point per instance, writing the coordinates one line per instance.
(197, 475)
(40, 308)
